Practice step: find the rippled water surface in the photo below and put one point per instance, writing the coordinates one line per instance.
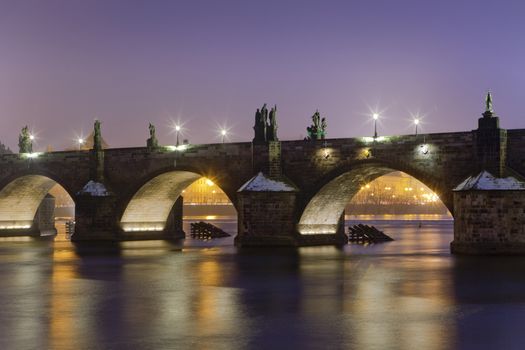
(406, 294)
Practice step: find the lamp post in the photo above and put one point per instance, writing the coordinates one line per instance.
(177, 131)
(223, 133)
(416, 123)
(80, 143)
(375, 116)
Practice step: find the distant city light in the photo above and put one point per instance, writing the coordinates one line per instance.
(395, 190)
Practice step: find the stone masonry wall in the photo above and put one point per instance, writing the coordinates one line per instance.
(45, 215)
(516, 150)
(441, 161)
(228, 165)
(70, 169)
(489, 222)
(266, 218)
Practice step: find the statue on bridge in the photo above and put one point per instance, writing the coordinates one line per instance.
(152, 143)
(260, 125)
(271, 130)
(317, 131)
(265, 127)
(97, 136)
(25, 144)
(489, 109)
(488, 103)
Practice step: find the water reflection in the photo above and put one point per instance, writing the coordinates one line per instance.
(407, 294)
(62, 309)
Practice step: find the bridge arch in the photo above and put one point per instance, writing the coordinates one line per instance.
(325, 203)
(21, 196)
(147, 207)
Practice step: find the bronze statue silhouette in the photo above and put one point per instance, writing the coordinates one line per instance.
(25, 144)
(152, 142)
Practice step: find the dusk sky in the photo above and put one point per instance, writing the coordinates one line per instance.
(209, 63)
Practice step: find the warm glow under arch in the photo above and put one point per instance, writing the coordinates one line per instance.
(396, 193)
(20, 199)
(151, 205)
(323, 212)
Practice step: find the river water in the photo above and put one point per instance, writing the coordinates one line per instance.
(406, 294)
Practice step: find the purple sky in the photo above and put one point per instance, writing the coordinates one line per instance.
(208, 63)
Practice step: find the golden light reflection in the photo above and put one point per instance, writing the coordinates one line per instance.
(393, 312)
(212, 302)
(62, 330)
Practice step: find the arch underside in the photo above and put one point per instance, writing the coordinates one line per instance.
(324, 210)
(150, 207)
(20, 199)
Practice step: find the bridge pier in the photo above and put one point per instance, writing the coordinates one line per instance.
(269, 218)
(338, 238)
(265, 217)
(489, 210)
(95, 218)
(489, 216)
(174, 229)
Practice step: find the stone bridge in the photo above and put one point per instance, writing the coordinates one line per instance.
(141, 187)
